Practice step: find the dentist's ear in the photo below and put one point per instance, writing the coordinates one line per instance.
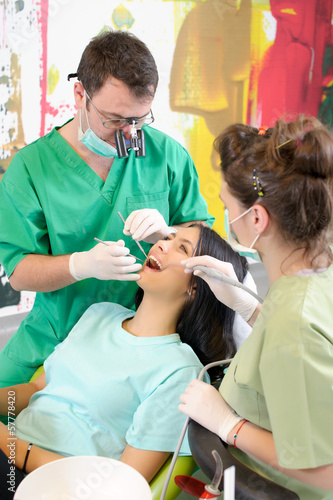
(79, 95)
(260, 218)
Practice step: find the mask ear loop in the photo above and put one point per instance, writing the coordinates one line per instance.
(254, 241)
(240, 216)
(85, 109)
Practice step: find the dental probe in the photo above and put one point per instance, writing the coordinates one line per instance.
(142, 250)
(214, 273)
(107, 244)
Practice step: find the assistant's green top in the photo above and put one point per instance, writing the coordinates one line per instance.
(282, 376)
(53, 203)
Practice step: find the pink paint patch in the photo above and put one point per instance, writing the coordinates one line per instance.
(42, 19)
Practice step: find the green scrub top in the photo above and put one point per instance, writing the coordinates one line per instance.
(281, 377)
(53, 203)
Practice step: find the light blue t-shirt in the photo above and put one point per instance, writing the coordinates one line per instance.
(107, 388)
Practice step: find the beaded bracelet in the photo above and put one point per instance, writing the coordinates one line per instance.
(26, 458)
(239, 428)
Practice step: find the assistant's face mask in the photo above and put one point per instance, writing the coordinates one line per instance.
(94, 143)
(233, 240)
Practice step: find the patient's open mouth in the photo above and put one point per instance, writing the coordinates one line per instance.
(153, 263)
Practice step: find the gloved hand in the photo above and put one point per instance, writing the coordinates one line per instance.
(204, 404)
(104, 262)
(147, 224)
(237, 299)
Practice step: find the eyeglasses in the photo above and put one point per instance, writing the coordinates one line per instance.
(141, 121)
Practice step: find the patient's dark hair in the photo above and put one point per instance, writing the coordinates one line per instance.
(205, 323)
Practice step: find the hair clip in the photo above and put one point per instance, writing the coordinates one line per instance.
(286, 142)
(262, 130)
(257, 184)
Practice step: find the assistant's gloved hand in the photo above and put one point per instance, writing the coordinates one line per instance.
(147, 225)
(204, 404)
(237, 299)
(104, 262)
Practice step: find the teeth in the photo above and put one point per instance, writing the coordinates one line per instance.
(152, 258)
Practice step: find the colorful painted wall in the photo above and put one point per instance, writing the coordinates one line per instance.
(220, 61)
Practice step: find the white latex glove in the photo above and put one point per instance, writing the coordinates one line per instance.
(204, 404)
(104, 262)
(147, 225)
(237, 299)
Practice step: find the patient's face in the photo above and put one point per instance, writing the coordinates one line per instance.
(158, 275)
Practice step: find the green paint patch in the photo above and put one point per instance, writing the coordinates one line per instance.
(19, 6)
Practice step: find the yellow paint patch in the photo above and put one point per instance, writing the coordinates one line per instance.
(52, 79)
(122, 18)
(288, 11)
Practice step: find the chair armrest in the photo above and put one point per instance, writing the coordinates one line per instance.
(249, 484)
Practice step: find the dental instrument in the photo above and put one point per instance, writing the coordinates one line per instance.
(107, 244)
(142, 250)
(182, 434)
(214, 273)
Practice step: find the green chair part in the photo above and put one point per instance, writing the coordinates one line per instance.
(185, 465)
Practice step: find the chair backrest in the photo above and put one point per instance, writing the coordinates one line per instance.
(249, 484)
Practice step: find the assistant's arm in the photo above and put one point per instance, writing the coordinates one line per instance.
(259, 443)
(147, 462)
(204, 404)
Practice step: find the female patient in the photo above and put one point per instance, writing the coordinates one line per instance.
(276, 401)
(112, 387)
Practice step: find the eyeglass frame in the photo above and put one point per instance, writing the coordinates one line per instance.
(131, 120)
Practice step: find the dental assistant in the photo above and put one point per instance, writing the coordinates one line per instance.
(275, 403)
(66, 188)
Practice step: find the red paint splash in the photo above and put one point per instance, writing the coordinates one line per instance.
(42, 19)
(291, 80)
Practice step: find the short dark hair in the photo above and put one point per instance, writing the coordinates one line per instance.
(205, 323)
(122, 55)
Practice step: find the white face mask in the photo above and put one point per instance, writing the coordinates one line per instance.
(233, 240)
(94, 143)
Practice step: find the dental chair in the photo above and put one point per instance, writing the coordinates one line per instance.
(249, 485)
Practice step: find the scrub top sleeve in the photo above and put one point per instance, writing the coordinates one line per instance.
(297, 384)
(157, 423)
(186, 201)
(23, 222)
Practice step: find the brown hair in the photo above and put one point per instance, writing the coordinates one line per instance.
(122, 55)
(294, 163)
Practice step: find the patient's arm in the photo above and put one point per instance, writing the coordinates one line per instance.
(147, 462)
(16, 449)
(15, 398)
